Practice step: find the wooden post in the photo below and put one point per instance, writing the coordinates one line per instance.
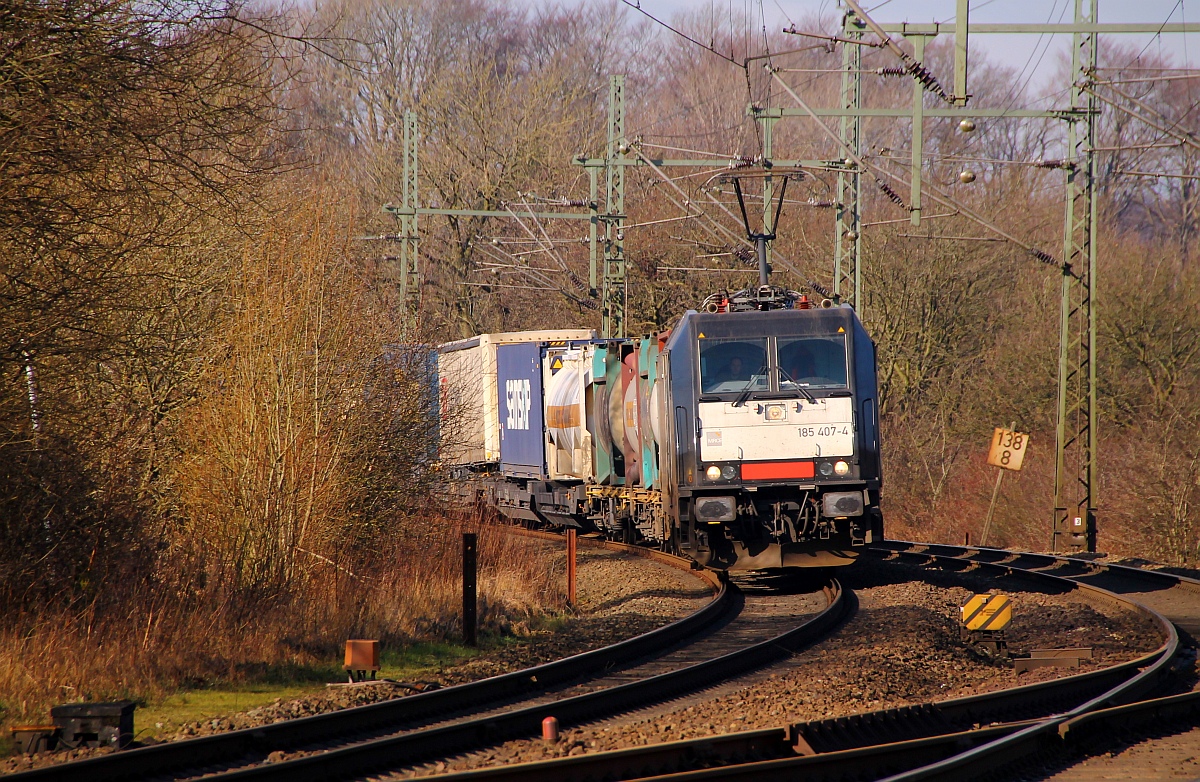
(571, 566)
(987, 524)
(470, 589)
(1001, 456)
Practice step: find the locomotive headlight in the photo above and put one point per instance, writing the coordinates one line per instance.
(776, 412)
(825, 468)
(840, 467)
(728, 472)
(713, 473)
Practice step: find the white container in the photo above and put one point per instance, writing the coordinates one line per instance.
(468, 396)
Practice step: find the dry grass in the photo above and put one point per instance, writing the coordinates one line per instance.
(406, 590)
(1147, 499)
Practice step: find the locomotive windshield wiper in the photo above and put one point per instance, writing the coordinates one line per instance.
(748, 390)
(783, 375)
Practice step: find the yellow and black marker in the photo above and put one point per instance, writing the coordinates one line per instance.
(987, 613)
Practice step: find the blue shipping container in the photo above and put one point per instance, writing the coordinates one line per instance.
(519, 386)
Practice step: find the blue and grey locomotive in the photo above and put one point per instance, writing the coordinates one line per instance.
(774, 437)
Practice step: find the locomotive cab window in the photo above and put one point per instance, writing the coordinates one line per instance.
(733, 365)
(812, 362)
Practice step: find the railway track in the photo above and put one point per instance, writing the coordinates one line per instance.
(525, 721)
(954, 739)
(721, 640)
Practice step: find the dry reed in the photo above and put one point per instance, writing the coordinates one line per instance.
(407, 588)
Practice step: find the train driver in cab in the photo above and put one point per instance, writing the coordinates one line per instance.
(735, 371)
(801, 366)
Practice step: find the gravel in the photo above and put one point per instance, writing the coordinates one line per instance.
(902, 647)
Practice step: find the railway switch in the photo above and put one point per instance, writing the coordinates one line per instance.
(1057, 658)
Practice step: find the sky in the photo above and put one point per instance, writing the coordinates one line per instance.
(1037, 57)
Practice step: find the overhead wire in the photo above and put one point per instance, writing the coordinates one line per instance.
(1156, 80)
(529, 271)
(1017, 91)
(907, 219)
(535, 274)
(550, 247)
(494, 264)
(918, 71)
(521, 287)
(1184, 114)
(1164, 69)
(936, 195)
(1157, 174)
(638, 7)
(685, 149)
(1158, 35)
(1186, 138)
(709, 171)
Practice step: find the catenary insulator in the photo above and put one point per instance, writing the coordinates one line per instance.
(890, 193)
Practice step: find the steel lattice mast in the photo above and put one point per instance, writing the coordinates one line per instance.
(1076, 471)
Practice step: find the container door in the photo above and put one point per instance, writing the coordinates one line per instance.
(631, 417)
(519, 391)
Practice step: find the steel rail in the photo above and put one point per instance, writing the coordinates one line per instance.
(868, 743)
(1084, 728)
(1046, 734)
(1026, 560)
(166, 758)
(417, 746)
(739, 751)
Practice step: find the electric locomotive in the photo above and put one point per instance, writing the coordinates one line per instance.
(774, 457)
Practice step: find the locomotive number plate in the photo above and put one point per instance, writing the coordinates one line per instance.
(825, 430)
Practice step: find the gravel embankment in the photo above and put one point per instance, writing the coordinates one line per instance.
(902, 647)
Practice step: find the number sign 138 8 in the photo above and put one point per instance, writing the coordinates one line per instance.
(1008, 449)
